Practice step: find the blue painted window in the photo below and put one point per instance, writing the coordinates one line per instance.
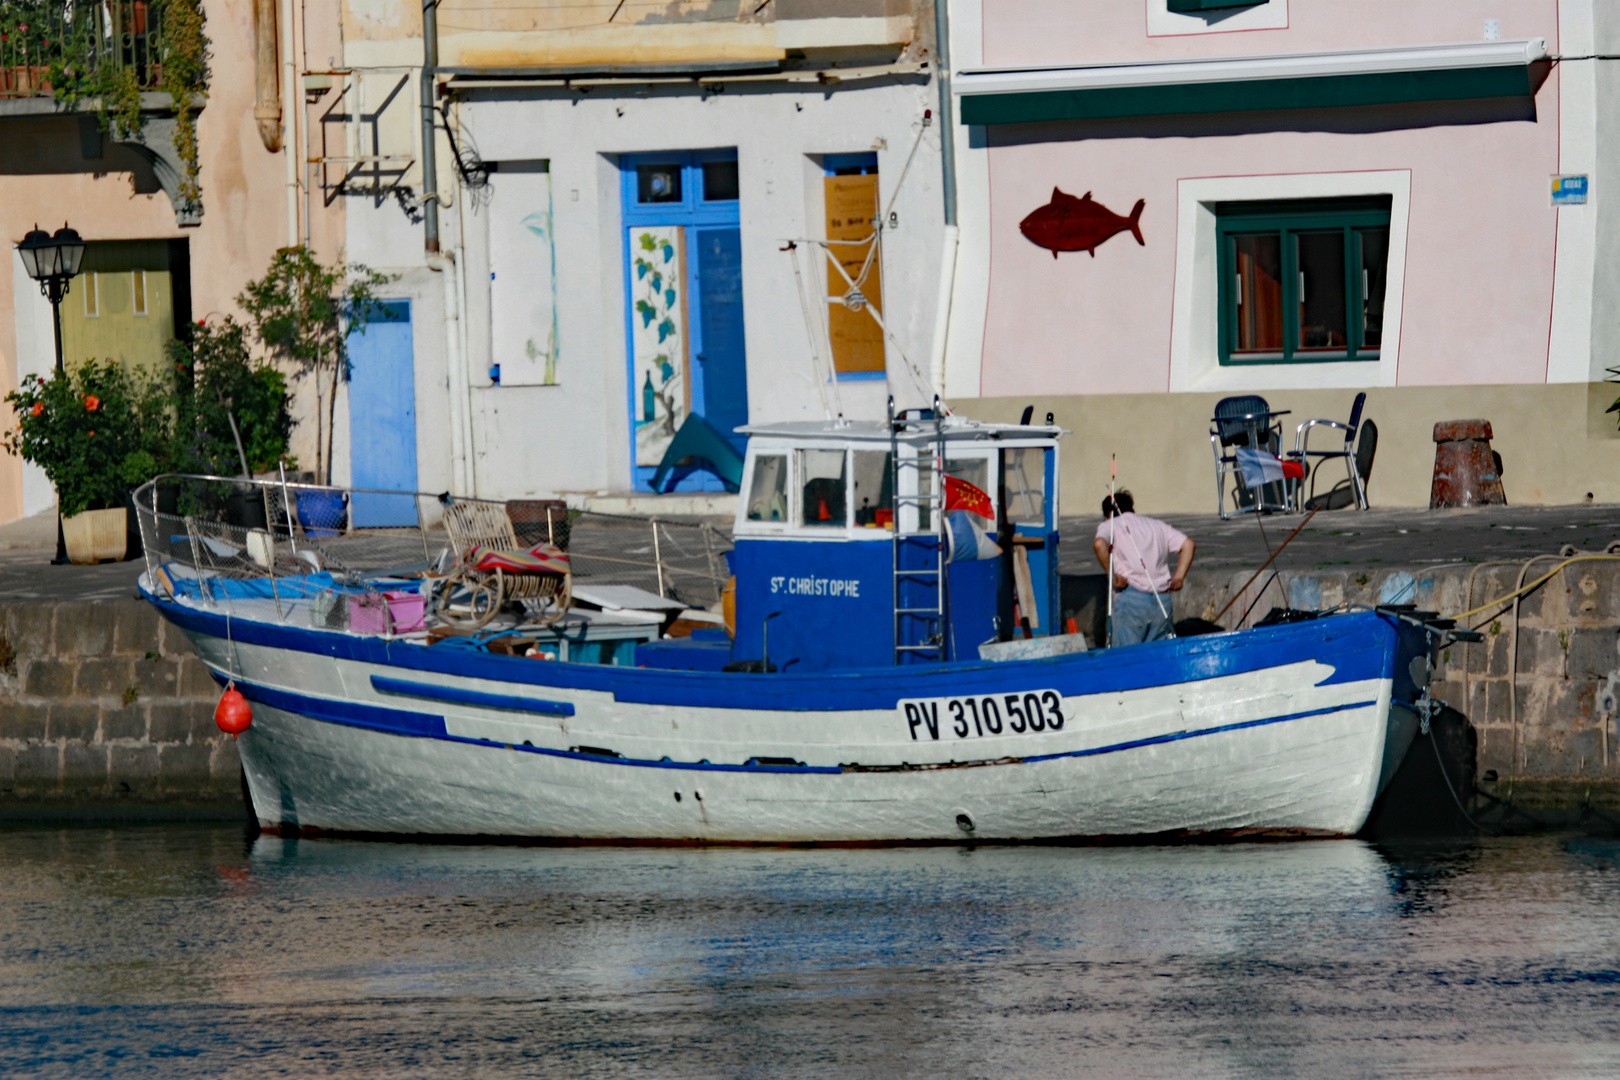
(850, 164)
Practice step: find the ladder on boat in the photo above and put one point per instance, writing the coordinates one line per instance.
(917, 491)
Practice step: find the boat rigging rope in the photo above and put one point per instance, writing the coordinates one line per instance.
(927, 121)
(811, 327)
(854, 298)
(1440, 762)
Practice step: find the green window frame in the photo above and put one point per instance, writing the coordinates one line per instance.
(1188, 7)
(1302, 281)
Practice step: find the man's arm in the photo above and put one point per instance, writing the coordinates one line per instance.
(1103, 550)
(1183, 564)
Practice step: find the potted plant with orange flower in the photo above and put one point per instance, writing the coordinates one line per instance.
(97, 431)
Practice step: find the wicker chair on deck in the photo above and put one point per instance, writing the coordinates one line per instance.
(491, 570)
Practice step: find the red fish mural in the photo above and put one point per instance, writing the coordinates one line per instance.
(1070, 224)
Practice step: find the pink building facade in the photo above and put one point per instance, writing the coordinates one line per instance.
(1336, 198)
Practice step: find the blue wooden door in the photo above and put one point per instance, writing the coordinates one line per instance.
(382, 417)
(721, 354)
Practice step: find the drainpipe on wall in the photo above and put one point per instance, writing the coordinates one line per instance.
(947, 161)
(470, 433)
(267, 103)
(289, 105)
(457, 384)
(430, 166)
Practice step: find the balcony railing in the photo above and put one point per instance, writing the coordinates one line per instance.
(60, 47)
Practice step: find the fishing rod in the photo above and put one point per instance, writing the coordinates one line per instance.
(1113, 470)
(1263, 566)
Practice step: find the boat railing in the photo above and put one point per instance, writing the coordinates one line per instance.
(291, 551)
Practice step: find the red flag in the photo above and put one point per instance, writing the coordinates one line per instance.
(961, 495)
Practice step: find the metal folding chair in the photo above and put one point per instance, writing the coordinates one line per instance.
(1357, 471)
(1245, 421)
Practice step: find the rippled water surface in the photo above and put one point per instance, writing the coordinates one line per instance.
(190, 951)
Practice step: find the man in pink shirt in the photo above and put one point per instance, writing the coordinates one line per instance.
(1141, 548)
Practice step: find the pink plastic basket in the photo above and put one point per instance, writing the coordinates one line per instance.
(387, 613)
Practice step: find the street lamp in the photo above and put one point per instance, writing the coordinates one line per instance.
(53, 261)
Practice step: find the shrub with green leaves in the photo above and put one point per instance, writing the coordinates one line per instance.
(218, 380)
(97, 431)
(304, 313)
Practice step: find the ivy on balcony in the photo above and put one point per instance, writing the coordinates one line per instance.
(102, 55)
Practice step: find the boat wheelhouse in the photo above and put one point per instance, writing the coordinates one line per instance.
(913, 542)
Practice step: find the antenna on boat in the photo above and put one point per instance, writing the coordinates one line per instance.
(1113, 472)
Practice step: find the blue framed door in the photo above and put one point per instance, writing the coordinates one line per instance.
(721, 381)
(684, 305)
(382, 417)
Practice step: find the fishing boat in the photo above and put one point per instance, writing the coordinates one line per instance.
(896, 665)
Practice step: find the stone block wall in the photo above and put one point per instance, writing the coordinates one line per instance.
(105, 709)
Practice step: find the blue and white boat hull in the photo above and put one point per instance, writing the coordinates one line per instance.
(1290, 729)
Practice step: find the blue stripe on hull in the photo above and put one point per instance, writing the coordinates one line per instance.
(458, 696)
(423, 725)
(1358, 646)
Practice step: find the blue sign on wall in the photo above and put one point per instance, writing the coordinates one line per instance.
(1569, 190)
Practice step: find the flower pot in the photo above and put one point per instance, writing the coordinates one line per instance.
(96, 536)
(322, 512)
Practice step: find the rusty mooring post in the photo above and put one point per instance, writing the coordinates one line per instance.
(1466, 471)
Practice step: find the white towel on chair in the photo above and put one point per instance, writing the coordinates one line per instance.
(1258, 467)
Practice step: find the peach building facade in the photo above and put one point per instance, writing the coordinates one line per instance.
(58, 169)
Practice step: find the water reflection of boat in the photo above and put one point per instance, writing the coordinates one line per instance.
(851, 706)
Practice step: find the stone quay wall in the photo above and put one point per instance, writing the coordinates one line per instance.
(105, 711)
(1540, 694)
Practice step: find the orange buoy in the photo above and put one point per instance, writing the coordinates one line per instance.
(233, 714)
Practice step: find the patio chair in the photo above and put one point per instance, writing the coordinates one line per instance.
(1245, 421)
(491, 570)
(1344, 492)
(1356, 483)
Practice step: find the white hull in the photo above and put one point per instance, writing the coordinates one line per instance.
(1279, 750)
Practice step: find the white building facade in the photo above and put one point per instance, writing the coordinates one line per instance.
(630, 222)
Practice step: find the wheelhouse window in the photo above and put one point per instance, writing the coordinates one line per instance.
(1303, 280)
(824, 495)
(874, 497)
(767, 496)
(1023, 478)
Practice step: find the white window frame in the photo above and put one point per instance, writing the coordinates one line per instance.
(92, 294)
(1195, 352)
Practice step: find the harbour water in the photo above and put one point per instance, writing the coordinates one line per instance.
(184, 951)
